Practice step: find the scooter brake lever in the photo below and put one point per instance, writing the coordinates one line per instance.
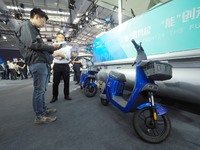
(133, 63)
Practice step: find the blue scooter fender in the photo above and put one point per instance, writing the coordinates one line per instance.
(160, 109)
(92, 84)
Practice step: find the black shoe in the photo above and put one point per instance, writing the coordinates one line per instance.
(53, 99)
(68, 98)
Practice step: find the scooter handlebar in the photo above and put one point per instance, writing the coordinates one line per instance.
(141, 55)
(137, 46)
(133, 63)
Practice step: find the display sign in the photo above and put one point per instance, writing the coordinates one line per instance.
(172, 27)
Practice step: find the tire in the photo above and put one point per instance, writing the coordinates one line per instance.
(90, 91)
(150, 130)
(104, 102)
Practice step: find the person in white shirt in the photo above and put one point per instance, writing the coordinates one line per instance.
(12, 70)
(61, 68)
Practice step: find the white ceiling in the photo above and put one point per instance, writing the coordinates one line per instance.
(59, 17)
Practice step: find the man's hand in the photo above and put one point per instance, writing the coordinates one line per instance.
(56, 46)
(58, 55)
(62, 56)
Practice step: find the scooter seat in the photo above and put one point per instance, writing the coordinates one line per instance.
(117, 76)
(91, 76)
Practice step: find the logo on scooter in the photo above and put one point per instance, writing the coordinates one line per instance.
(109, 84)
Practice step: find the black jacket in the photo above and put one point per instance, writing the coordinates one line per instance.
(31, 45)
(76, 65)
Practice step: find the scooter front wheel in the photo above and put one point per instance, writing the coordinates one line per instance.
(150, 130)
(90, 91)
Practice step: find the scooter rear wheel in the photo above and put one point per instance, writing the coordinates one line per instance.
(150, 130)
(90, 91)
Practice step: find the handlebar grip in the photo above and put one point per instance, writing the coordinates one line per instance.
(135, 44)
(133, 63)
(133, 41)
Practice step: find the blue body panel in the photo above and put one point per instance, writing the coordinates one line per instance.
(83, 78)
(160, 109)
(115, 88)
(86, 76)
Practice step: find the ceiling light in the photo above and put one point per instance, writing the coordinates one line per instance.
(76, 20)
(98, 26)
(4, 22)
(78, 15)
(97, 20)
(93, 23)
(4, 37)
(57, 29)
(100, 34)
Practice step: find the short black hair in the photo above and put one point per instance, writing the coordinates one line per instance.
(38, 11)
(62, 33)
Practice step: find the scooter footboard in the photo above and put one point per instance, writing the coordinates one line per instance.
(160, 109)
(114, 87)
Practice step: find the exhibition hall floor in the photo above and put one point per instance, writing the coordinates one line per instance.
(82, 124)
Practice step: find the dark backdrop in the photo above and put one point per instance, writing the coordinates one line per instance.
(6, 54)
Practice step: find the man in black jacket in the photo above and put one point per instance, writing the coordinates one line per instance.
(76, 61)
(37, 56)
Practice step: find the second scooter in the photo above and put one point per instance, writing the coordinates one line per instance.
(88, 80)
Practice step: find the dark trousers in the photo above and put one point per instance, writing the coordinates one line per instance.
(13, 74)
(23, 73)
(7, 74)
(77, 73)
(61, 70)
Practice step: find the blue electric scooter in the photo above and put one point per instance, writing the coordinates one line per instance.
(88, 80)
(150, 119)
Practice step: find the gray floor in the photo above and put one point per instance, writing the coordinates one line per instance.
(83, 124)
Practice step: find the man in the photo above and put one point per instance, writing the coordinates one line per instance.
(37, 56)
(2, 70)
(61, 68)
(22, 68)
(76, 61)
(12, 69)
